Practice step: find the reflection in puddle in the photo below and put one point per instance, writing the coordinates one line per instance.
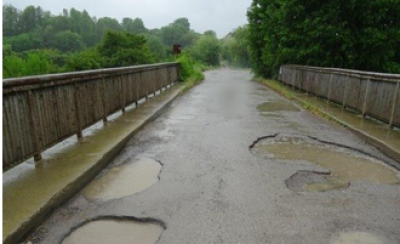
(356, 238)
(277, 106)
(345, 165)
(115, 231)
(124, 180)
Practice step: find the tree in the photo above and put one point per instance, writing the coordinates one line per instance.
(28, 19)
(155, 45)
(124, 49)
(27, 41)
(235, 47)
(351, 34)
(10, 20)
(207, 50)
(175, 33)
(135, 26)
(106, 24)
(67, 41)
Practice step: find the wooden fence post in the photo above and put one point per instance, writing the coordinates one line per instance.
(346, 87)
(365, 98)
(103, 85)
(330, 89)
(77, 117)
(34, 131)
(122, 93)
(395, 100)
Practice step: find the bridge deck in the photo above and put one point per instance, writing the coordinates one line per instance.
(217, 185)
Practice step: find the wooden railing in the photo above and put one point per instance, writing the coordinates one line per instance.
(374, 94)
(40, 111)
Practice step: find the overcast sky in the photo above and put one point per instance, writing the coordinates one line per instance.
(222, 16)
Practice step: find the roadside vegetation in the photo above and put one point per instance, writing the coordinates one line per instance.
(37, 42)
(353, 34)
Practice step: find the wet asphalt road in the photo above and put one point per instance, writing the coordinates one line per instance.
(213, 189)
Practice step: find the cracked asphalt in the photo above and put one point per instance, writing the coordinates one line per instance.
(213, 189)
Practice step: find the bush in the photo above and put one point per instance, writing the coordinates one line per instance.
(33, 64)
(189, 70)
(85, 60)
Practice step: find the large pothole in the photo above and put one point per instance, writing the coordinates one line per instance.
(124, 180)
(344, 164)
(116, 231)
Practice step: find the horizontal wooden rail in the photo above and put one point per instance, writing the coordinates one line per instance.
(374, 94)
(40, 111)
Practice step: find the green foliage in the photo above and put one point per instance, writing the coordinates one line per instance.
(235, 48)
(189, 69)
(351, 34)
(26, 41)
(156, 47)
(85, 60)
(124, 49)
(135, 26)
(207, 50)
(67, 41)
(32, 64)
(176, 32)
(37, 42)
(10, 20)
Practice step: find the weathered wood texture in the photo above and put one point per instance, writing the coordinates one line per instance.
(373, 94)
(40, 111)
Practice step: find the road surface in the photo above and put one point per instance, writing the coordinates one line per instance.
(218, 183)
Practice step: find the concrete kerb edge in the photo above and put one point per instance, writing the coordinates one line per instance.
(74, 187)
(381, 146)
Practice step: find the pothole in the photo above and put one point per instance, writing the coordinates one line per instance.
(343, 164)
(305, 180)
(273, 106)
(357, 237)
(117, 231)
(124, 180)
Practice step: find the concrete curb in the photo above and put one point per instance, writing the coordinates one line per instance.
(381, 146)
(85, 177)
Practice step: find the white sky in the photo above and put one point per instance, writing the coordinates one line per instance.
(222, 16)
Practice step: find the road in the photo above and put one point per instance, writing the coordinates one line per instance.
(219, 181)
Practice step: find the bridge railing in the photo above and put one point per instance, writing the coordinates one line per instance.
(40, 111)
(374, 94)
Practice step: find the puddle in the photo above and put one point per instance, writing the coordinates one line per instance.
(344, 165)
(124, 180)
(273, 106)
(115, 231)
(356, 238)
(303, 180)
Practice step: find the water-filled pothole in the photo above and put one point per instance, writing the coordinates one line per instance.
(117, 231)
(124, 180)
(273, 106)
(357, 237)
(344, 164)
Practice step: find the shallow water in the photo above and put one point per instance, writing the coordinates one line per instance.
(116, 232)
(124, 180)
(343, 165)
